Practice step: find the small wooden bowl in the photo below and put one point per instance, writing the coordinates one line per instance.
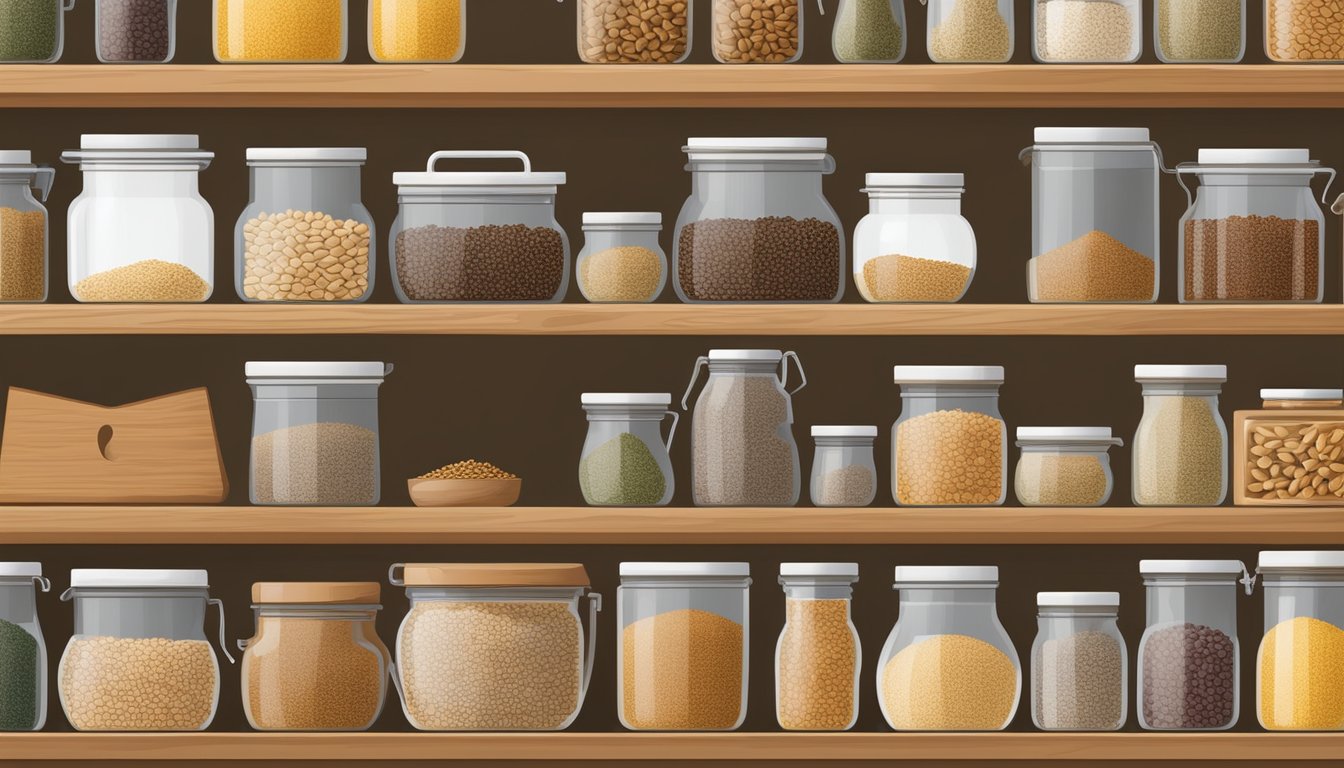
(465, 493)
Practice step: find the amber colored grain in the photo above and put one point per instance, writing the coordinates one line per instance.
(896, 277)
(138, 684)
(817, 667)
(682, 670)
(1095, 267)
(1305, 30)
(949, 683)
(1302, 676)
(313, 675)
(950, 457)
(23, 255)
(150, 280)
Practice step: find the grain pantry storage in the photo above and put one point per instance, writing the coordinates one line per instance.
(635, 31)
(1087, 31)
(758, 31)
(1199, 31)
(417, 31)
(494, 646)
(32, 31)
(869, 32)
(682, 661)
(281, 31)
(844, 473)
(914, 245)
(24, 225)
(1299, 670)
(950, 445)
(1180, 447)
(1079, 663)
(621, 260)
(1304, 31)
(1064, 466)
(136, 31)
(970, 31)
(817, 657)
(625, 461)
(23, 652)
(1291, 452)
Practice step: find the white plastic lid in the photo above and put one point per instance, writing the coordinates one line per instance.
(625, 398)
(121, 148)
(138, 577)
(16, 157)
(1255, 157)
(943, 574)
(542, 180)
(885, 180)
(1211, 373)
(1053, 135)
(640, 218)
(711, 570)
(314, 370)
(334, 155)
(837, 570)
(134, 141)
(947, 374)
(844, 431)
(23, 570)
(1193, 567)
(746, 355)
(757, 143)
(1078, 599)
(1300, 560)
(1302, 394)
(1064, 434)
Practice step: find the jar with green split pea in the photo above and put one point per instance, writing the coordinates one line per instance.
(32, 31)
(23, 654)
(869, 32)
(625, 461)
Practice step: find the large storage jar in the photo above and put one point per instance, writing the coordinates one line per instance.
(758, 31)
(32, 31)
(621, 260)
(140, 231)
(315, 432)
(136, 31)
(1079, 663)
(281, 31)
(818, 656)
(1064, 466)
(682, 661)
(1299, 671)
(970, 31)
(24, 227)
(949, 447)
(23, 652)
(844, 473)
(1199, 31)
(139, 659)
(417, 31)
(948, 664)
(914, 244)
(635, 31)
(625, 461)
(478, 237)
(869, 32)
(757, 226)
(494, 646)
(1304, 31)
(1180, 447)
(1289, 453)
(1087, 31)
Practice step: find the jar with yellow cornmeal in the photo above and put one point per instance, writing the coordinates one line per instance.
(1300, 668)
(417, 31)
(281, 31)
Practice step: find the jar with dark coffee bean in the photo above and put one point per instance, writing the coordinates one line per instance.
(757, 227)
(478, 236)
(136, 31)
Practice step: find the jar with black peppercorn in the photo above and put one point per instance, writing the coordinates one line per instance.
(136, 31)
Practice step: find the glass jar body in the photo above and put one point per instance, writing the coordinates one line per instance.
(1087, 31)
(1063, 476)
(914, 250)
(33, 31)
(607, 36)
(1294, 33)
(1199, 31)
(1189, 674)
(621, 265)
(1260, 476)
(869, 32)
(742, 448)
(1180, 448)
(281, 31)
(624, 461)
(1298, 675)
(136, 31)
(930, 466)
(25, 239)
(417, 31)
(844, 473)
(772, 33)
(817, 659)
(23, 668)
(970, 31)
(1080, 676)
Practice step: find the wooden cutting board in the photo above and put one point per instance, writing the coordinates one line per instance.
(61, 451)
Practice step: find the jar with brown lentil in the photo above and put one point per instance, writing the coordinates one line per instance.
(818, 657)
(24, 227)
(1064, 466)
(1180, 446)
(1079, 663)
(621, 260)
(949, 447)
(914, 245)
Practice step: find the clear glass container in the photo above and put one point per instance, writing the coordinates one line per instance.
(869, 32)
(771, 33)
(1064, 466)
(24, 227)
(683, 657)
(140, 231)
(1079, 663)
(757, 226)
(742, 447)
(315, 433)
(624, 460)
(1299, 670)
(1295, 32)
(970, 31)
(32, 31)
(494, 646)
(417, 31)
(948, 664)
(1180, 448)
(1087, 31)
(1288, 453)
(478, 237)
(139, 659)
(1253, 232)
(306, 235)
(621, 260)
(635, 31)
(281, 31)
(136, 31)
(316, 662)
(1189, 670)
(944, 408)
(914, 245)
(818, 656)
(1094, 196)
(1199, 31)
(23, 652)
(844, 473)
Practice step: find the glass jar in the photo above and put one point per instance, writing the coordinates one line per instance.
(1079, 663)
(478, 237)
(316, 662)
(772, 33)
(621, 260)
(23, 652)
(742, 447)
(1180, 448)
(1094, 194)
(32, 31)
(945, 408)
(1288, 454)
(417, 31)
(306, 207)
(1299, 671)
(281, 31)
(818, 656)
(1199, 31)
(682, 662)
(24, 227)
(140, 231)
(1295, 32)
(139, 659)
(970, 31)
(1087, 31)
(1189, 673)
(494, 646)
(948, 664)
(136, 31)
(624, 460)
(660, 34)
(315, 433)
(869, 32)
(757, 226)
(844, 473)
(1064, 466)
(914, 244)
(1253, 232)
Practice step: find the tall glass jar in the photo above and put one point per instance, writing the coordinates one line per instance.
(948, 664)
(1079, 663)
(844, 473)
(1253, 232)
(914, 244)
(33, 31)
(869, 32)
(1199, 31)
(1087, 31)
(1064, 466)
(621, 260)
(742, 447)
(136, 31)
(140, 231)
(306, 207)
(944, 409)
(24, 227)
(635, 31)
(818, 656)
(757, 227)
(759, 32)
(970, 31)
(281, 31)
(23, 652)
(1290, 452)
(1296, 32)
(1299, 670)
(417, 31)
(1189, 669)
(1180, 448)
(624, 460)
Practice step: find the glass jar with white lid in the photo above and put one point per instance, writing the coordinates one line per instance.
(945, 409)
(23, 663)
(624, 461)
(818, 655)
(970, 31)
(1180, 446)
(621, 260)
(1079, 663)
(24, 227)
(1299, 670)
(1087, 31)
(1064, 466)
(844, 473)
(914, 245)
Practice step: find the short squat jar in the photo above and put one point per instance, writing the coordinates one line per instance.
(844, 473)
(281, 31)
(23, 652)
(621, 260)
(1199, 31)
(1180, 447)
(33, 31)
(1079, 663)
(24, 227)
(869, 32)
(1299, 671)
(945, 409)
(970, 31)
(1064, 466)
(136, 31)
(818, 656)
(625, 460)
(417, 31)
(914, 245)
(1087, 31)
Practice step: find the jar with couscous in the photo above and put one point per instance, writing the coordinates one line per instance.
(1064, 466)
(914, 245)
(949, 447)
(417, 31)
(1299, 671)
(24, 227)
(970, 31)
(621, 260)
(281, 31)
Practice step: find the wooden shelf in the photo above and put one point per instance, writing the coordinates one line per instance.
(570, 86)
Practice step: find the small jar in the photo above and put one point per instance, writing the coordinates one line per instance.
(771, 33)
(621, 260)
(970, 31)
(1064, 466)
(1199, 31)
(1189, 670)
(945, 409)
(23, 652)
(281, 31)
(316, 662)
(24, 227)
(417, 31)
(1079, 663)
(818, 656)
(1299, 671)
(136, 31)
(1295, 32)
(1288, 454)
(844, 473)
(948, 664)
(33, 31)
(1180, 447)
(624, 460)
(869, 32)
(1087, 31)
(661, 33)
(914, 245)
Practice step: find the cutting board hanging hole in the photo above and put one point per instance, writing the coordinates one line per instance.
(105, 442)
